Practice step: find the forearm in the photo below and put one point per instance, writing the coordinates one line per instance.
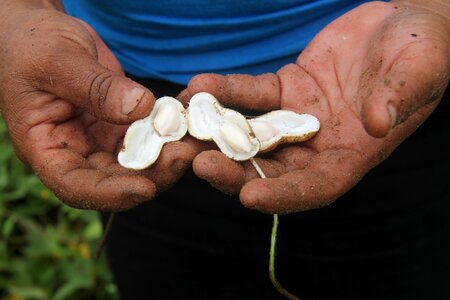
(441, 7)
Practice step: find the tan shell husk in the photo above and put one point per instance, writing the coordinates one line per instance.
(205, 115)
(301, 128)
(142, 144)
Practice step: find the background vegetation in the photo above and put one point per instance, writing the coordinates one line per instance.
(46, 247)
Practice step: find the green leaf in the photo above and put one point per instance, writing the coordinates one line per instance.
(69, 288)
(93, 231)
(29, 292)
(7, 152)
(8, 226)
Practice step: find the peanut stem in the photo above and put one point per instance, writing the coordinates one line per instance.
(105, 235)
(273, 243)
(273, 279)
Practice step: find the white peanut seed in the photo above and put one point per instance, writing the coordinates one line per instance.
(235, 137)
(167, 120)
(263, 130)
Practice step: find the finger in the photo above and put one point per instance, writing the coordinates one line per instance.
(70, 69)
(416, 77)
(166, 171)
(184, 97)
(242, 91)
(173, 162)
(170, 166)
(105, 94)
(76, 183)
(221, 172)
(329, 175)
(228, 175)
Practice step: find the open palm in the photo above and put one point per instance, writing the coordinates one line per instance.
(371, 77)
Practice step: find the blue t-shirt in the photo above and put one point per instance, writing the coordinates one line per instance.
(177, 39)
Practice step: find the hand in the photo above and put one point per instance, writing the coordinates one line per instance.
(371, 77)
(67, 105)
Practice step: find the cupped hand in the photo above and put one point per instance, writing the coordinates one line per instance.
(371, 77)
(67, 105)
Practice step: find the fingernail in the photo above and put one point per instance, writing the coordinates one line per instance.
(131, 99)
(393, 114)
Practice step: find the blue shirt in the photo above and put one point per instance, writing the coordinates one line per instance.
(175, 39)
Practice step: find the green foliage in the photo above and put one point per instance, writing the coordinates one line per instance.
(46, 247)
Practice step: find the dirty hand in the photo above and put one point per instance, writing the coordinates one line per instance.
(371, 77)
(67, 105)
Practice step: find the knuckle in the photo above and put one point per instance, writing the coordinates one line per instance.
(288, 69)
(99, 86)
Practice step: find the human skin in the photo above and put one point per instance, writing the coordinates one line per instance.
(67, 105)
(372, 77)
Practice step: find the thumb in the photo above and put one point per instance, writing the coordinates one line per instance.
(418, 76)
(243, 91)
(103, 93)
(69, 68)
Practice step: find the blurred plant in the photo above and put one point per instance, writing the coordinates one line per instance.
(46, 247)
